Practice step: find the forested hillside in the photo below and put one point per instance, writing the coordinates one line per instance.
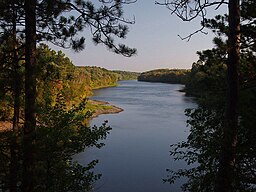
(165, 76)
(58, 75)
(126, 75)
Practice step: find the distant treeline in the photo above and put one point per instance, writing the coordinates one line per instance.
(75, 82)
(176, 76)
(97, 77)
(126, 75)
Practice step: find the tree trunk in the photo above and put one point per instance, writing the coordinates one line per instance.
(30, 96)
(17, 91)
(225, 177)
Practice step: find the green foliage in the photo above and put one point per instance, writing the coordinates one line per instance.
(10, 70)
(99, 77)
(61, 22)
(105, 21)
(219, 25)
(208, 74)
(93, 106)
(165, 76)
(55, 71)
(201, 150)
(61, 129)
(126, 75)
(60, 133)
(207, 81)
(56, 74)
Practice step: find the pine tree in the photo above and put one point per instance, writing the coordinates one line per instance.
(187, 11)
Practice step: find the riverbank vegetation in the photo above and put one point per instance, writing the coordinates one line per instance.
(126, 75)
(58, 75)
(175, 76)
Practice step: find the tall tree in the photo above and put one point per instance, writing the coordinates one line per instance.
(30, 95)
(228, 152)
(17, 94)
(10, 61)
(187, 11)
(59, 22)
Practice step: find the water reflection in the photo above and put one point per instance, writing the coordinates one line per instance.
(136, 153)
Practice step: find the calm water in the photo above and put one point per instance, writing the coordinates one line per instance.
(136, 154)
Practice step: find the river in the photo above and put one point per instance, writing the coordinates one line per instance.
(136, 154)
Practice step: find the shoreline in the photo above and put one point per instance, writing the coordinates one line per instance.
(111, 109)
(105, 108)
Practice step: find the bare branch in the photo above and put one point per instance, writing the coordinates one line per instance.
(188, 10)
(188, 37)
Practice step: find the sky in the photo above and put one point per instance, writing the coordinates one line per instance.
(154, 35)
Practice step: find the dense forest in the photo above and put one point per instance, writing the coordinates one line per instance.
(58, 75)
(165, 76)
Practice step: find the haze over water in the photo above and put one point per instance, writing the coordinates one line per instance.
(136, 154)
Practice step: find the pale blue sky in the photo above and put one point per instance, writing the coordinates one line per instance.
(155, 35)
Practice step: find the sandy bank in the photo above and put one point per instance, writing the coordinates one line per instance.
(101, 107)
(105, 108)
